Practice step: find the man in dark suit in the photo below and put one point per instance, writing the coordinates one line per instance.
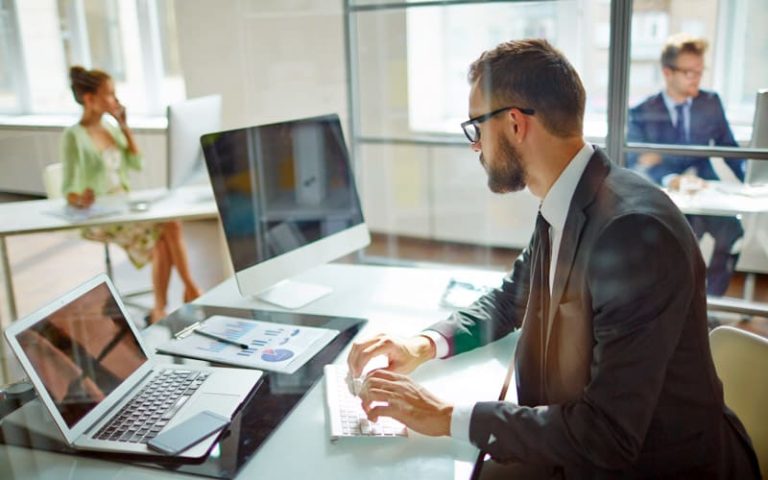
(613, 370)
(684, 114)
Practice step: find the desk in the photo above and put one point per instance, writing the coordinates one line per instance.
(26, 217)
(399, 300)
(722, 199)
(748, 202)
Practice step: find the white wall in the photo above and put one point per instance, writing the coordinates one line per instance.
(271, 60)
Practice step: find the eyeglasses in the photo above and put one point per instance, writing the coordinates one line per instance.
(687, 72)
(472, 126)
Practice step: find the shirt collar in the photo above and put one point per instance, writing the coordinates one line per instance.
(555, 205)
(670, 103)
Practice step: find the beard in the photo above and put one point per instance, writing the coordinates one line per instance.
(507, 173)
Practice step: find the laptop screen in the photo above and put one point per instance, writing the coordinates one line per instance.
(82, 352)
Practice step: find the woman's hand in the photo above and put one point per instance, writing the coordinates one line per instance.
(83, 200)
(120, 115)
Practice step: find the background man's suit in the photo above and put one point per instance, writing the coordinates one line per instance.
(650, 122)
(626, 375)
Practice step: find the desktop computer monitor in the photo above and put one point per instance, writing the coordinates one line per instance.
(287, 200)
(187, 121)
(757, 170)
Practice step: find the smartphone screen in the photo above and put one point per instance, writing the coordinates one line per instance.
(188, 433)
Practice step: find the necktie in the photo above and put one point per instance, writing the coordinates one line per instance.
(680, 137)
(544, 255)
(537, 332)
(531, 349)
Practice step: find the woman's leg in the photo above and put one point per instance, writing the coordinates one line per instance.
(178, 254)
(161, 276)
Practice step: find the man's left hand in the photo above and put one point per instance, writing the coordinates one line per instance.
(406, 402)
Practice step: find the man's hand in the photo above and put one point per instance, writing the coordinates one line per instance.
(648, 160)
(405, 401)
(404, 354)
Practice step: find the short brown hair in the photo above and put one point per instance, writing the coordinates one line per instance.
(682, 43)
(533, 74)
(86, 81)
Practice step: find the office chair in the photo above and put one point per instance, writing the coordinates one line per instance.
(741, 360)
(52, 178)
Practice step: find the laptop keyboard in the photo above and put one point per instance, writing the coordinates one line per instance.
(152, 408)
(346, 415)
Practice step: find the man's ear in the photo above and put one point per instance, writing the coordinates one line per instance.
(518, 124)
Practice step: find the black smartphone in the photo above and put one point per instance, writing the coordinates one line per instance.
(188, 433)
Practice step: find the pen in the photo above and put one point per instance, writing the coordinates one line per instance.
(220, 338)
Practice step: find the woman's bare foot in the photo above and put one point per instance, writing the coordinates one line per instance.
(156, 315)
(191, 293)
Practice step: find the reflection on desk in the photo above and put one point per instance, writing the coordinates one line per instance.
(261, 414)
(397, 300)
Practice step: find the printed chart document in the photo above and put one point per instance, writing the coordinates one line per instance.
(271, 346)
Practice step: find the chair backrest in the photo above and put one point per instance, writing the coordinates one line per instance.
(741, 360)
(52, 177)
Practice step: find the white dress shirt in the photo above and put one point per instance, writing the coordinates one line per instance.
(554, 208)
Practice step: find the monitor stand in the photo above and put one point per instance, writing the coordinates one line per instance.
(291, 294)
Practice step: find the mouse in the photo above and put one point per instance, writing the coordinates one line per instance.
(139, 206)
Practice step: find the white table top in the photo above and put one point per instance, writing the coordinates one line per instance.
(398, 300)
(722, 199)
(188, 203)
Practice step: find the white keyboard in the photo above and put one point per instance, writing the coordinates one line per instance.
(346, 415)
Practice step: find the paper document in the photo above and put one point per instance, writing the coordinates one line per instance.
(271, 346)
(82, 214)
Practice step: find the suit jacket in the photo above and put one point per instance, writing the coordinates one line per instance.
(627, 385)
(650, 122)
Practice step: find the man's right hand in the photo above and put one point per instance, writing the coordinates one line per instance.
(403, 354)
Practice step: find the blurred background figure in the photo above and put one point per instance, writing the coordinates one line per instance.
(684, 114)
(97, 157)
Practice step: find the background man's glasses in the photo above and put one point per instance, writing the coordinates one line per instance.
(472, 126)
(687, 72)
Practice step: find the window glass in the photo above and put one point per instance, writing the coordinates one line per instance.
(734, 65)
(9, 99)
(135, 42)
(441, 43)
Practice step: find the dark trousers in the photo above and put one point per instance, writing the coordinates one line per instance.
(726, 231)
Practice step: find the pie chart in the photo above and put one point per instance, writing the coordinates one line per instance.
(276, 354)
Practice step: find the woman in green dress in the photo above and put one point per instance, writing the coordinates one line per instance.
(97, 157)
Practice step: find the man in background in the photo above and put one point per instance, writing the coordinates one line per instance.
(684, 114)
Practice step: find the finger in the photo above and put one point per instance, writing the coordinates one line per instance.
(389, 410)
(361, 354)
(353, 360)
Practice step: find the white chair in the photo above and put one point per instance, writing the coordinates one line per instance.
(52, 178)
(741, 360)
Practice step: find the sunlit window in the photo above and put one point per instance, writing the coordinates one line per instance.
(134, 41)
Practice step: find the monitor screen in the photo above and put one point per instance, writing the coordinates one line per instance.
(82, 352)
(187, 121)
(286, 197)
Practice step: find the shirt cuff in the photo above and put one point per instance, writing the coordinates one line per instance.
(462, 414)
(666, 179)
(441, 344)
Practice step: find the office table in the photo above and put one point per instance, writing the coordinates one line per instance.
(35, 216)
(397, 300)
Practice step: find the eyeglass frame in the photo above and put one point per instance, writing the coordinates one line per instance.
(476, 121)
(687, 72)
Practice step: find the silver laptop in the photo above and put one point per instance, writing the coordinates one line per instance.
(95, 376)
